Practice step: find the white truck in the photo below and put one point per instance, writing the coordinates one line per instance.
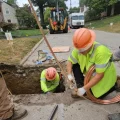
(76, 20)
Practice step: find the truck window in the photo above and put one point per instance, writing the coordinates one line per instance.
(81, 17)
(74, 17)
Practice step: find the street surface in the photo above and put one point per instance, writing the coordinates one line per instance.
(112, 40)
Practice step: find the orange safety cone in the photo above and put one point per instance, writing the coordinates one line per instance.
(68, 28)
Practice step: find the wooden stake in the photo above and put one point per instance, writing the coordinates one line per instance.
(41, 30)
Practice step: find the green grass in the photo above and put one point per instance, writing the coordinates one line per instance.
(105, 24)
(23, 33)
(13, 54)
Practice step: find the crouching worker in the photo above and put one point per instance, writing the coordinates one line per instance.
(49, 80)
(88, 52)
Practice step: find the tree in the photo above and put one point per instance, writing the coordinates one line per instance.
(11, 2)
(100, 5)
(25, 17)
(74, 9)
(112, 3)
(46, 14)
(95, 6)
(46, 3)
(85, 2)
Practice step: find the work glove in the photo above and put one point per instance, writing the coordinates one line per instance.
(70, 78)
(81, 91)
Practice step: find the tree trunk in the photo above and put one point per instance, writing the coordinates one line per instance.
(112, 9)
(41, 15)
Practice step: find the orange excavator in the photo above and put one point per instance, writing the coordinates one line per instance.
(58, 20)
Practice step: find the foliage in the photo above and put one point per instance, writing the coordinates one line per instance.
(74, 10)
(7, 26)
(100, 5)
(25, 17)
(111, 2)
(46, 14)
(62, 4)
(11, 2)
(91, 15)
(85, 2)
(23, 33)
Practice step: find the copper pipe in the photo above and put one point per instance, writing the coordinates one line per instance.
(89, 94)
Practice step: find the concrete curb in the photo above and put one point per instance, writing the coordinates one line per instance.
(32, 51)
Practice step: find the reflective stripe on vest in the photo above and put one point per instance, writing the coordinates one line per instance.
(102, 65)
(73, 59)
(99, 65)
(94, 48)
(43, 79)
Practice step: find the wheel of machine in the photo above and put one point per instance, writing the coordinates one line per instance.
(66, 29)
(51, 30)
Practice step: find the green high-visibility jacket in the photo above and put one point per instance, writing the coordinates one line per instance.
(48, 86)
(100, 56)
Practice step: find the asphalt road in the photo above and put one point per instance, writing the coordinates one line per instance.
(112, 40)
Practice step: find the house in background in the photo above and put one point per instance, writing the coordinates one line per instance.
(7, 13)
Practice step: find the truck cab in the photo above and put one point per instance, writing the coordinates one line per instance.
(76, 20)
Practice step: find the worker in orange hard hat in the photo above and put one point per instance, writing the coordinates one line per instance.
(88, 52)
(50, 80)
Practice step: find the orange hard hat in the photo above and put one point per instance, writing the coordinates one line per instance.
(83, 38)
(50, 73)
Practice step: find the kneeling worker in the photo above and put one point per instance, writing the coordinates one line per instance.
(49, 80)
(88, 52)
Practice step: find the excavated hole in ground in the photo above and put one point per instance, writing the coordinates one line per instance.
(25, 80)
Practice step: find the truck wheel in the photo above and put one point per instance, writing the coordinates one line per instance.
(66, 29)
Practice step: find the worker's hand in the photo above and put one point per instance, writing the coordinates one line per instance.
(70, 78)
(81, 91)
(70, 81)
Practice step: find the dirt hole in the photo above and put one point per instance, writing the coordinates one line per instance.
(25, 80)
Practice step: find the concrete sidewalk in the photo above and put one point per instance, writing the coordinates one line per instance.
(54, 40)
(40, 107)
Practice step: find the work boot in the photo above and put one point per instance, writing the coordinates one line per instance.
(19, 112)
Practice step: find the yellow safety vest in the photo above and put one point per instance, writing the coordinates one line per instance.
(48, 86)
(99, 56)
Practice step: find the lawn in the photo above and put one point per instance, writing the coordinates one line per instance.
(26, 33)
(13, 54)
(105, 24)
(23, 33)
